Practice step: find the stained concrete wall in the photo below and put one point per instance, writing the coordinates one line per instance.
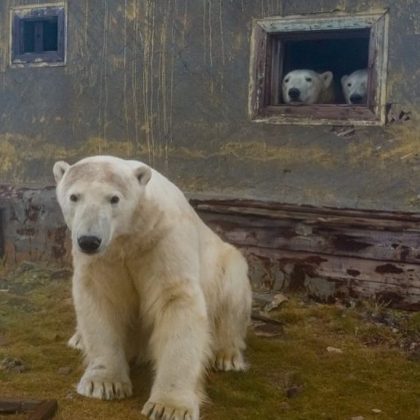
(166, 81)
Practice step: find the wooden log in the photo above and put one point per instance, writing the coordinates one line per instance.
(386, 245)
(37, 409)
(327, 252)
(16, 406)
(44, 411)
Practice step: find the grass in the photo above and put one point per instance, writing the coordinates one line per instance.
(292, 376)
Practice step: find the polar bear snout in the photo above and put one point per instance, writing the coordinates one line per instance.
(294, 93)
(89, 244)
(357, 99)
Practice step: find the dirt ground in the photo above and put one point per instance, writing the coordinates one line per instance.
(342, 361)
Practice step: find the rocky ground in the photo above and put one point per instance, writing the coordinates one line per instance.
(352, 360)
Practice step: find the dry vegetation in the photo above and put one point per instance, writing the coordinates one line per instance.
(292, 375)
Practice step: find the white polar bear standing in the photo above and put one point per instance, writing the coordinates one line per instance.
(151, 281)
(308, 87)
(355, 87)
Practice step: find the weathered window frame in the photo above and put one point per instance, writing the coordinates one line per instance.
(21, 14)
(263, 66)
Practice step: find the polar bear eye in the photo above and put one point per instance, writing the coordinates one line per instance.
(286, 80)
(114, 199)
(74, 198)
(308, 79)
(349, 84)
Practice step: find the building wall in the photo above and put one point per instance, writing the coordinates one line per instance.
(166, 81)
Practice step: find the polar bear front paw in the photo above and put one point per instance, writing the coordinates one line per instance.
(158, 410)
(104, 387)
(229, 360)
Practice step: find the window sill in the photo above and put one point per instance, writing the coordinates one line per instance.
(48, 59)
(318, 115)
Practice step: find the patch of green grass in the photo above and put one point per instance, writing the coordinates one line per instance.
(290, 377)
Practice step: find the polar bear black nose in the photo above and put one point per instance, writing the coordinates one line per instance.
(294, 93)
(356, 99)
(89, 244)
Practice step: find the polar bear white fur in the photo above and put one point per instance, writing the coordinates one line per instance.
(355, 87)
(308, 87)
(151, 282)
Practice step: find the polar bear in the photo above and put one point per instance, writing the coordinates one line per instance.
(151, 282)
(355, 87)
(308, 87)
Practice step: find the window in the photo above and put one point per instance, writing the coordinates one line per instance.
(38, 35)
(336, 44)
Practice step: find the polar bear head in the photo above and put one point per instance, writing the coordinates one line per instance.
(305, 86)
(98, 197)
(355, 87)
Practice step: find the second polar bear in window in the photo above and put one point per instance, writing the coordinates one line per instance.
(355, 87)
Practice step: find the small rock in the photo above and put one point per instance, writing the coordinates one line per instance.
(70, 395)
(293, 391)
(376, 410)
(65, 370)
(268, 330)
(277, 300)
(10, 364)
(334, 350)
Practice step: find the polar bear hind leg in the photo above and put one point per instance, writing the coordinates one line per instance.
(232, 317)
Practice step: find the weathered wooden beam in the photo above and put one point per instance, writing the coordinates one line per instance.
(324, 238)
(44, 411)
(327, 252)
(37, 409)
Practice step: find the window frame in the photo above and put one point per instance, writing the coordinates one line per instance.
(21, 14)
(265, 46)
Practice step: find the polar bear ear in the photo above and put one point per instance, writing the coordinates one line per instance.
(59, 170)
(327, 78)
(343, 79)
(143, 173)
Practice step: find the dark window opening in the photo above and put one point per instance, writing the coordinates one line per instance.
(38, 35)
(341, 52)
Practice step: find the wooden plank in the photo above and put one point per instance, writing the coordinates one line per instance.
(44, 411)
(316, 35)
(327, 111)
(327, 277)
(37, 409)
(16, 406)
(339, 268)
(327, 252)
(320, 22)
(286, 234)
(248, 206)
(258, 68)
